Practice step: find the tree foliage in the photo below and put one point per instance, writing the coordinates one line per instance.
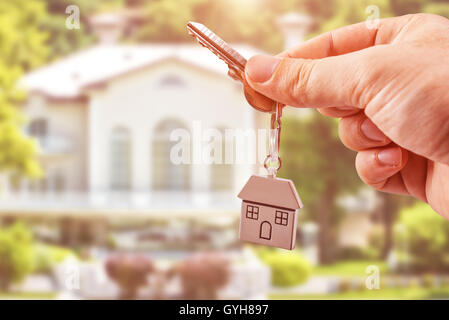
(22, 47)
(321, 168)
(422, 238)
(64, 41)
(354, 11)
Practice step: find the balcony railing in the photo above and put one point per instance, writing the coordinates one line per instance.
(120, 202)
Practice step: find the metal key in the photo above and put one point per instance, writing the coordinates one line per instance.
(235, 61)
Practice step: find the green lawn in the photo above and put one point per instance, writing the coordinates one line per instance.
(27, 295)
(349, 268)
(382, 294)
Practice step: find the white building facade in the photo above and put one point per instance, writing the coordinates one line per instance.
(108, 133)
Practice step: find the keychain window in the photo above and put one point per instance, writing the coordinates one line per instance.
(252, 212)
(281, 218)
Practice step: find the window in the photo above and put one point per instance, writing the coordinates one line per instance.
(171, 80)
(39, 186)
(120, 159)
(252, 212)
(281, 218)
(38, 128)
(59, 182)
(167, 176)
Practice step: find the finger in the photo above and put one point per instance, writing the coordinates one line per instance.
(357, 132)
(338, 112)
(414, 176)
(347, 39)
(379, 168)
(339, 80)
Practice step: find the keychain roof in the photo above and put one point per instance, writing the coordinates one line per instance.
(262, 189)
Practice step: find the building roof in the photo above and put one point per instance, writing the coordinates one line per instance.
(271, 191)
(66, 78)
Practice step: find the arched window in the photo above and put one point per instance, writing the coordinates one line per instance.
(165, 174)
(120, 159)
(222, 174)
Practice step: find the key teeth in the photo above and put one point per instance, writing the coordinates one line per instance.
(231, 72)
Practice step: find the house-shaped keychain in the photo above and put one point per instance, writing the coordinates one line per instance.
(269, 211)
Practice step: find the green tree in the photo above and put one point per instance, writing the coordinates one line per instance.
(16, 254)
(422, 236)
(401, 7)
(387, 215)
(235, 21)
(439, 8)
(64, 41)
(22, 47)
(353, 11)
(166, 20)
(322, 170)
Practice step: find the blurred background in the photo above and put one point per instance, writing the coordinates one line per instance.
(91, 207)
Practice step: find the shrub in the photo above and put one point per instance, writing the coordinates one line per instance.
(422, 239)
(287, 268)
(16, 256)
(46, 256)
(355, 253)
(130, 272)
(203, 275)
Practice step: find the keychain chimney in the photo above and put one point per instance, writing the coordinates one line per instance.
(295, 27)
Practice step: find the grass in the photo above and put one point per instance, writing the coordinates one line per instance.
(381, 294)
(355, 268)
(27, 295)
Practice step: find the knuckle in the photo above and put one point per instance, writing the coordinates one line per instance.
(300, 81)
(423, 16)
(370, 75)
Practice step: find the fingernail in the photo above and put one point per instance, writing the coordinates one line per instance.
(390, 157)
(370, 131)
(260, 68)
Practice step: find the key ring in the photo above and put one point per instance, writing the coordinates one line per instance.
(273, 161)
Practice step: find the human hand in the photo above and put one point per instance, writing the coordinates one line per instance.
(389, 85)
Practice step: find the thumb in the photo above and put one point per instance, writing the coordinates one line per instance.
(318, 83)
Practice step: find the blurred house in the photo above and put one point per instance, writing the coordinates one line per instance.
(103, 119)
